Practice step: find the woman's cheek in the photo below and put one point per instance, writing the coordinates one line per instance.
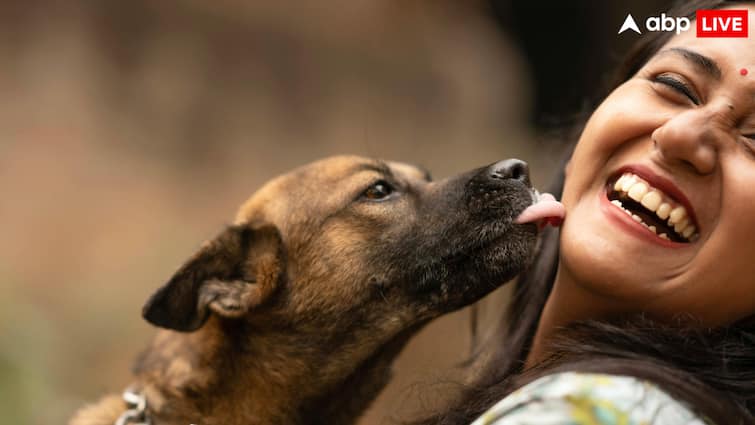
(596, 144)
(602, 133)
(737, 207)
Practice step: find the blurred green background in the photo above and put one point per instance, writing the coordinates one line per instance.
(131, 131)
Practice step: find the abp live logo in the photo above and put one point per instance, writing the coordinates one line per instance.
(722, 23)
(709, 23)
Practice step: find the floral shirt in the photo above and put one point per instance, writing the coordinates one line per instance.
(589, 399)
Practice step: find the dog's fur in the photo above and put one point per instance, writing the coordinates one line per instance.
(293, 314)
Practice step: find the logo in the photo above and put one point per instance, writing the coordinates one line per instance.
(629, 24)
(667, 23)
(657, 23)
(709, 23)
(722, 23)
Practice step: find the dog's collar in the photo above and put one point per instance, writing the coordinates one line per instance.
(136, 414)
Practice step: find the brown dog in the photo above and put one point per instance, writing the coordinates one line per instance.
(293, 314)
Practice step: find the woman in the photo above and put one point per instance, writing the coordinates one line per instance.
(651, 283)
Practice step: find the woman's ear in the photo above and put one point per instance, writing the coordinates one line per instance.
(229, 276)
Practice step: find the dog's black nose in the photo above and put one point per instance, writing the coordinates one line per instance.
(515, 169)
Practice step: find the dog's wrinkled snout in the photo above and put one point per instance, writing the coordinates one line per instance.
(500, 189)
(513, 169)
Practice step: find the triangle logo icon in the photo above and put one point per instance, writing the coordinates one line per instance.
(629, 24)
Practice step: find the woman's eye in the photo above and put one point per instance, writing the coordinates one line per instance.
(679, 85)
(378, 191)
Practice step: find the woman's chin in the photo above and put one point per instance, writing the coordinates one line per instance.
(607, 261)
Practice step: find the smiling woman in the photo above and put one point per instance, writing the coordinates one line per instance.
(681, 129)
(646, 290)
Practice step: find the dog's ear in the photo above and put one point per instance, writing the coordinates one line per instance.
(230, 275)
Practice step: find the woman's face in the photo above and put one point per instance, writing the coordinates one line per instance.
(682, 133)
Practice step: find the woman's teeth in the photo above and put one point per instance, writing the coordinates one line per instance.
(668, 216)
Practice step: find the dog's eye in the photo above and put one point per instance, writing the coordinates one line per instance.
(379, 190)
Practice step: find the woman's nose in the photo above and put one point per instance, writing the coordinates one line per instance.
(691, 138)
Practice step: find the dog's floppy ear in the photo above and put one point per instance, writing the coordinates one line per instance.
(229, 275)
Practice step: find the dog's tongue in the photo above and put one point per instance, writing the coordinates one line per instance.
(546, 210)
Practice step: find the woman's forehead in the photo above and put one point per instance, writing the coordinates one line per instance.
(736, 52)
(726, 61)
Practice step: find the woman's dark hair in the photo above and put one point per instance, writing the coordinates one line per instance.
(712, 370)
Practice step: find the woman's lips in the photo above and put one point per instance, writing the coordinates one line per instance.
(665, 185)
(631, 226)
(547, 210)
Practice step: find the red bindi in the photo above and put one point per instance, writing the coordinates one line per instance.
(743, 71)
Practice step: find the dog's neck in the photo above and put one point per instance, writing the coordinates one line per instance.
(211, 376)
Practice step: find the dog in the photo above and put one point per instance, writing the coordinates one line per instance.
(294, 313)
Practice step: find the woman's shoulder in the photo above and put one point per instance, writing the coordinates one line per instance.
(590, 399)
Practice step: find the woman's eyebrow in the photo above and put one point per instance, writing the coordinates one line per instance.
(701, 62)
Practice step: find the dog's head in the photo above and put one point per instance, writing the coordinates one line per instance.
(347, 240)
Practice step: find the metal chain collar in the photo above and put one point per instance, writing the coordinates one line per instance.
(137, 409)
